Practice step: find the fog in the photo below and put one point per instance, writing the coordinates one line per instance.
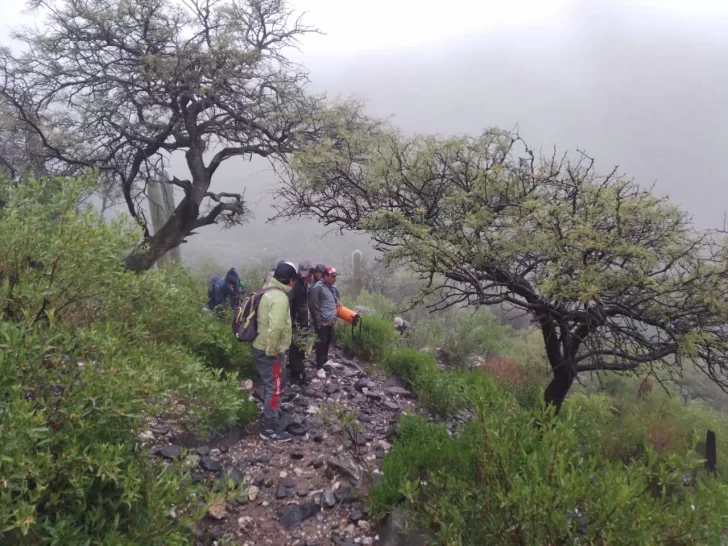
(632, 84)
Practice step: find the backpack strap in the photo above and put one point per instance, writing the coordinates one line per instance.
(262, 291)
(331, 289)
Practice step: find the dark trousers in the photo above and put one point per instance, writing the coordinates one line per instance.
(324, 334)
(296, 366)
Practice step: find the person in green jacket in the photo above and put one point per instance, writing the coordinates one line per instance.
(271, 343)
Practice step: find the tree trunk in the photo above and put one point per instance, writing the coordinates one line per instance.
(563, 377)
(171, 235)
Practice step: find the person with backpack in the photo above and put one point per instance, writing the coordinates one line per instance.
(324, 305)
(227, 291)
(272, 340)
(300, 320)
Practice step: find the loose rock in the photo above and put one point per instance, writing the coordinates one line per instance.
(398, 391)
(329, 498)
(365, 383)
(293, 516)
(170, 452)
(210, 464)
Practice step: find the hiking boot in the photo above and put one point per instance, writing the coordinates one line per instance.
(281, 436)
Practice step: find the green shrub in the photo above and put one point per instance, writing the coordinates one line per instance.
(369, 343)
(88, 351)
(502, 480)
(441, 392)
(381, 305)
(624, 426)
(428, 332)
(215, 345)
(474, 333)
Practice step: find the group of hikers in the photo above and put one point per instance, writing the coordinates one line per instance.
(291, 301)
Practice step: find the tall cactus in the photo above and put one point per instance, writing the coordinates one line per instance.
(169, 207)
(156, 211)
(357, 281)
(161, 206)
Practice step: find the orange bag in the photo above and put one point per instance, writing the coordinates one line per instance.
(347, 315)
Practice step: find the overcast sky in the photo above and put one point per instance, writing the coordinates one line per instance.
(637, 83)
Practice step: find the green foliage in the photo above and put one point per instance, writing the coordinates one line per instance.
(474, 333)
(622, 425)
(88, 351)
(616, 276)
(370, 343)
(428, 332)
(381, 305)
(502, 480)
(441, 392)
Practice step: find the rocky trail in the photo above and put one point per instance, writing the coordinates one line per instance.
(310, 491)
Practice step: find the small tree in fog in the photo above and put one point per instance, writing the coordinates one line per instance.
(615, 277)
(124, 83)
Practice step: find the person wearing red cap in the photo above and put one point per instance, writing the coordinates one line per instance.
(324, 303)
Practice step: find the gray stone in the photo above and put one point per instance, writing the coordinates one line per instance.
(294, 515)
(346, 495)
(347, 468)
(396, 532)
(284, 492)
(210, 464)
(170, 452)
(329, 498)
(398, 391)
(364, 383)
(232, 474)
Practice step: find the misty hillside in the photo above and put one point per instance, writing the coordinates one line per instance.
(644, 90)
(542, 359)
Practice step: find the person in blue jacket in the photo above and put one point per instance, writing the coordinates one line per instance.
(224, 292)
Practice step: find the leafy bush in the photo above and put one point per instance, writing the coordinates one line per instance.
(474, 333)
(381, 305)
(441, 392)
(369, 343)
(87, 352)
(503, 480)
(428, 332)
(623, 425)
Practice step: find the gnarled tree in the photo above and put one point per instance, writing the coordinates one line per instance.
(615, 277)
(125, 83)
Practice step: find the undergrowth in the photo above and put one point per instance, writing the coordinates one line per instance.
(89, 351)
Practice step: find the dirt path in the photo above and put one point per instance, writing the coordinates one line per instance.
(311, 490)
